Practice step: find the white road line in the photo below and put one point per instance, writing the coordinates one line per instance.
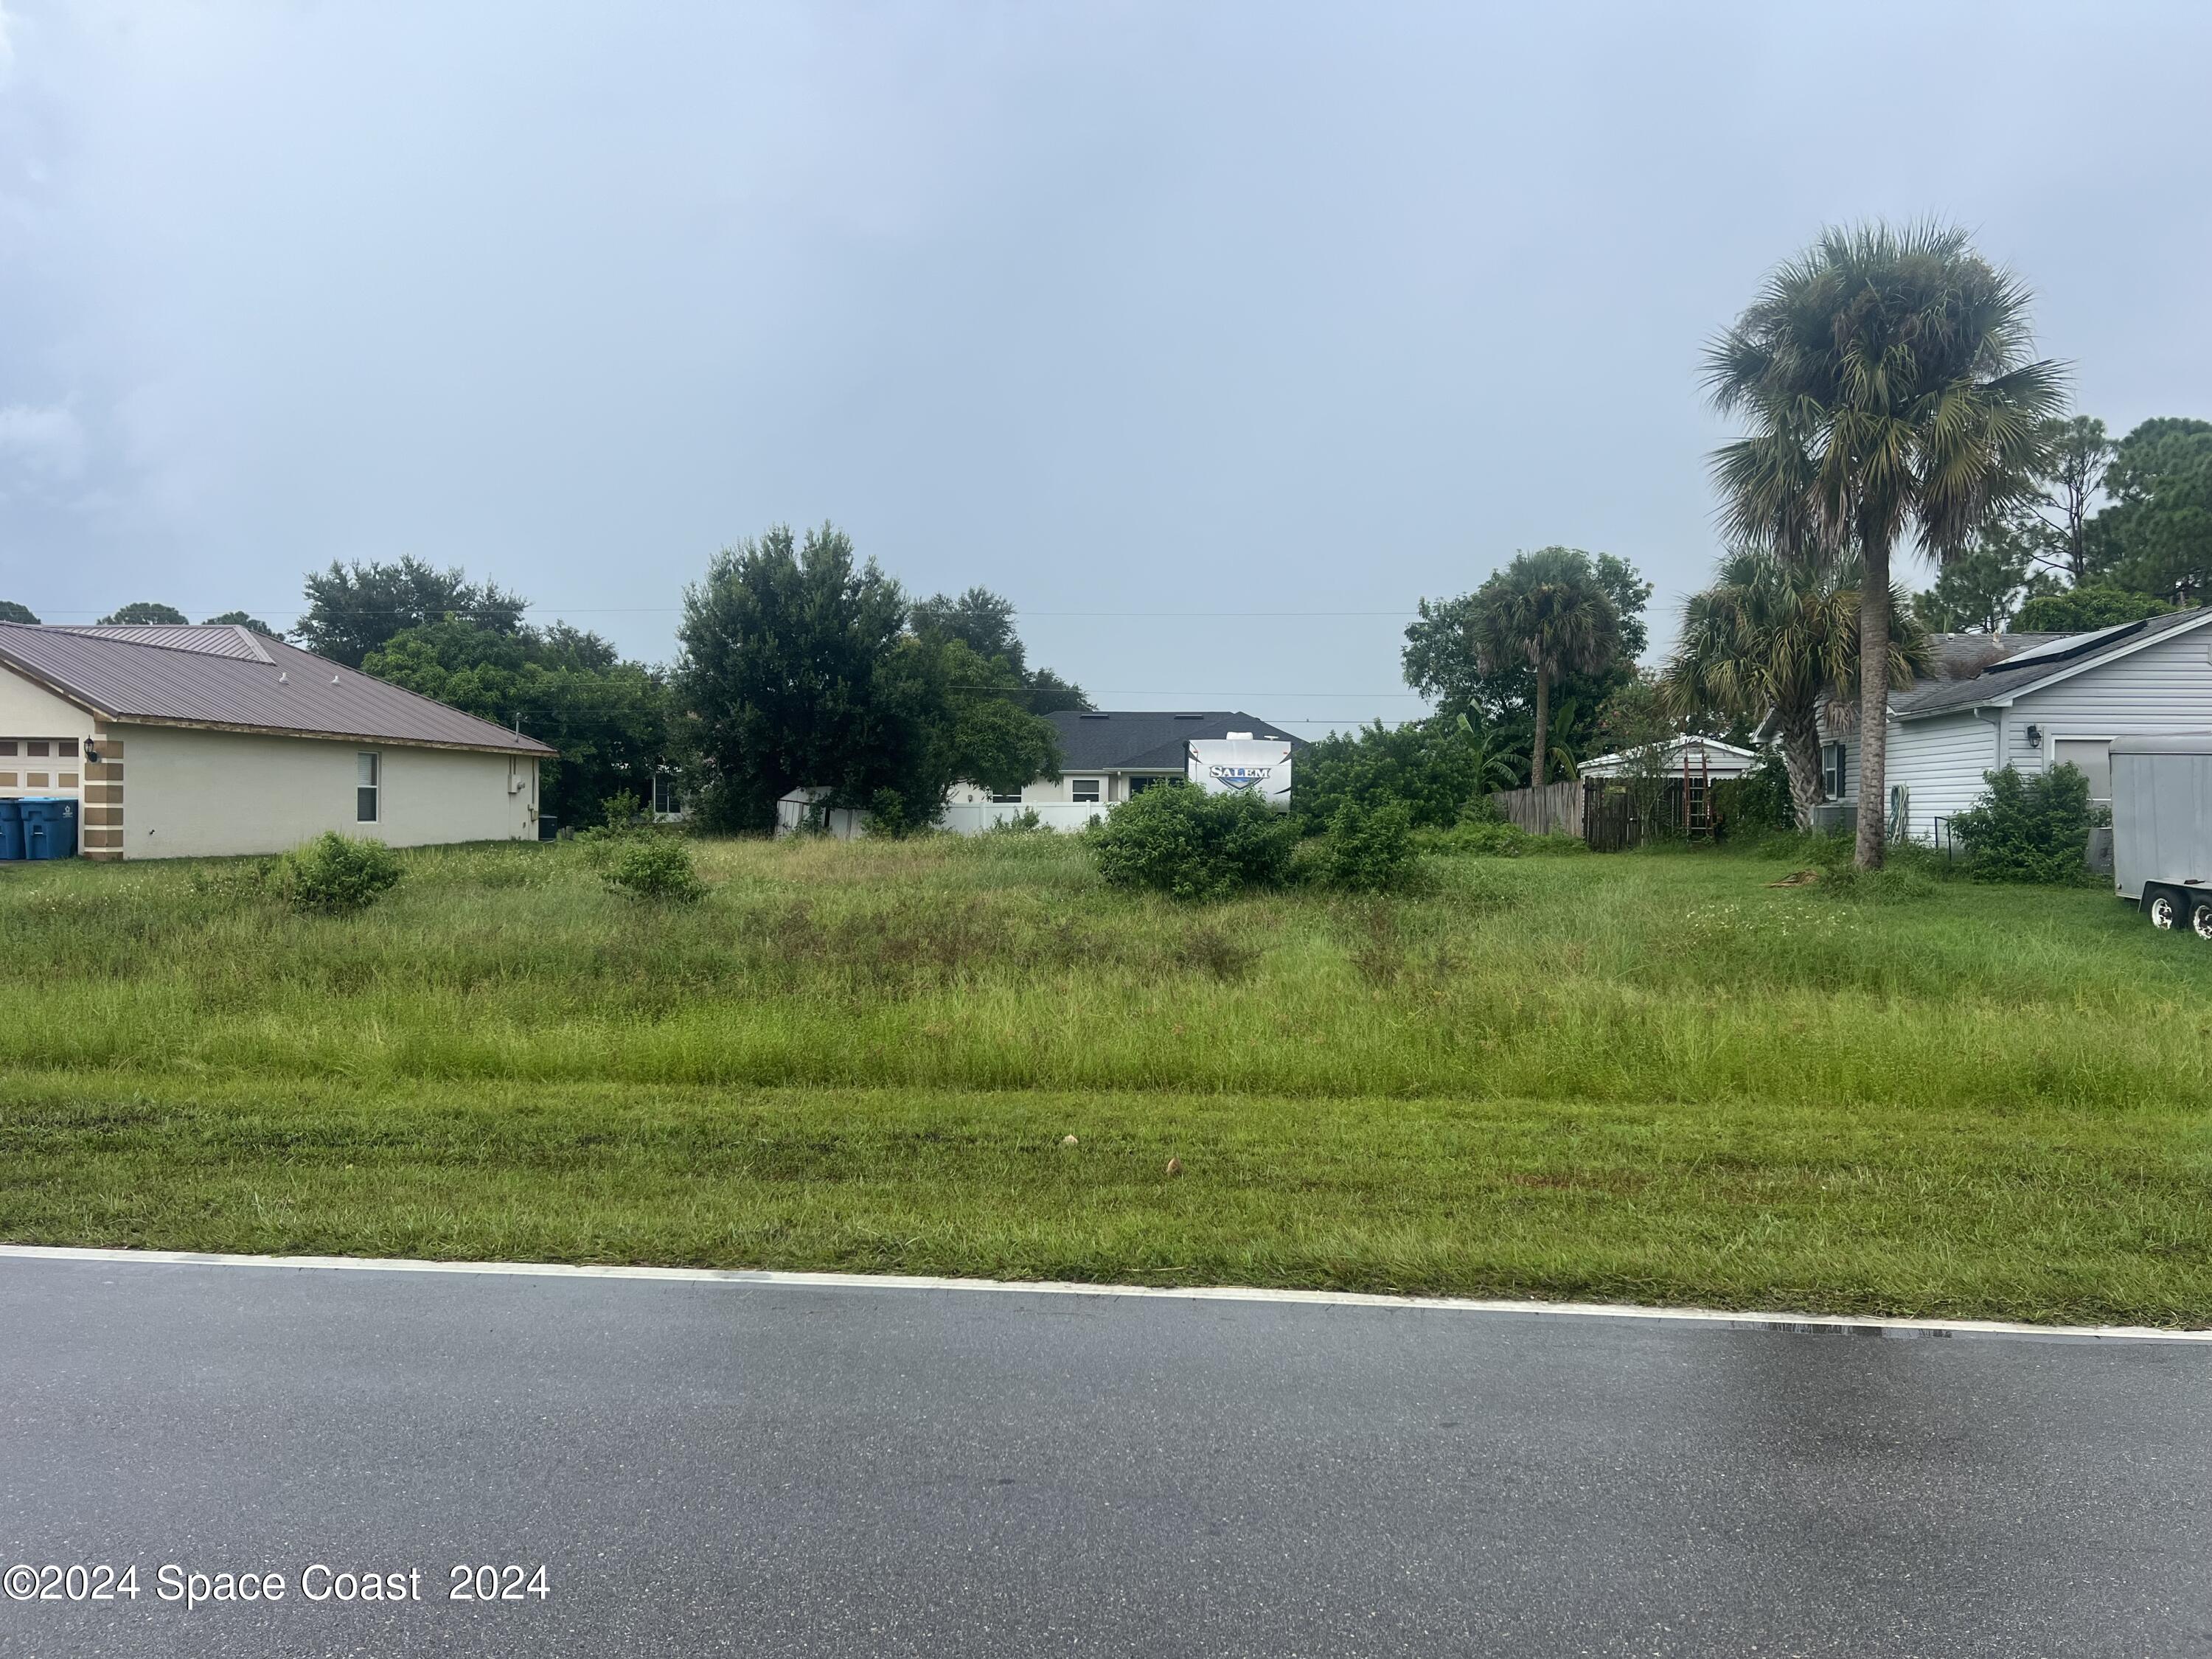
(750, 1276)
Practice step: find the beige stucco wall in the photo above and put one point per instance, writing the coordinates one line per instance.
(188, 793)
(31, 711)
(28, 710)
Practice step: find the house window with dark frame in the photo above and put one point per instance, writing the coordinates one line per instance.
(1832, 770)
(667, 796)
(1014, 800)
(1081, 790)
(368, 788)
(1144, 781)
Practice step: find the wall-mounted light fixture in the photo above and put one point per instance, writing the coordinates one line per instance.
(2035, 737)
(91, 755)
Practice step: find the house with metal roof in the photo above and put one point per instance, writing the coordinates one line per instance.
(2030, 702)
(181, 740)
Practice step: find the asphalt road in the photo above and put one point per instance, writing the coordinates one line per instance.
(706, 1468)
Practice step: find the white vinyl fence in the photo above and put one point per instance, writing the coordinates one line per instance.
(795, 813)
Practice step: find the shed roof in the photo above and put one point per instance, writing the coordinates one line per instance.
(1145, 740)
(231, 678)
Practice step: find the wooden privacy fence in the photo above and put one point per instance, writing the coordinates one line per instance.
(1556, 808)
(1604, 818)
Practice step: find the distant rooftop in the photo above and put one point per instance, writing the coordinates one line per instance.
(1138, 740)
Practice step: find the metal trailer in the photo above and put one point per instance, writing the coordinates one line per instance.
(2162, 829)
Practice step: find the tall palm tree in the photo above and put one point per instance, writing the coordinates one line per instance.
(1770, 638)
(1547, 609)
(1886, 380)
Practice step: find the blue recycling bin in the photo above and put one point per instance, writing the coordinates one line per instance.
(11, 830)
(49, 826)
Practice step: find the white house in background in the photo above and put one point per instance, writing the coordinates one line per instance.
(183, 739)
(1106, 757)
(2031, 701)
(1704, 758)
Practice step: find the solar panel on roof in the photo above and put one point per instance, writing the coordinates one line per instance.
(2071, 645)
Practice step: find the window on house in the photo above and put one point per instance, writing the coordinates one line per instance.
(1083, 789)
(1014, 800)
(667, 798)
(66, 748)
(7, 745)
(36, 747)
(368, 782)
(1832, 770)
(1144, 781)
(2093, 755)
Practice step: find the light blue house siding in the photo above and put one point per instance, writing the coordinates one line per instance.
(2155, 687)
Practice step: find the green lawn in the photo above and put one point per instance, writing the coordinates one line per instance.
(1647, 1077)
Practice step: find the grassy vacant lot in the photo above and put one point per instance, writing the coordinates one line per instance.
(1646, 1076)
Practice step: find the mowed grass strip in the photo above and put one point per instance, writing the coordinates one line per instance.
(2038, 1214)
(1650, 1077)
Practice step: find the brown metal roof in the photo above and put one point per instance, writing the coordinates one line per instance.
(233, 679)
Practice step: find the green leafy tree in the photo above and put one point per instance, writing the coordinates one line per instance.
(985, 733)
(1768, 639)
(1886, 379)
(1437, 768)
(1441, 661)
(354, 609)
(1979, 590)
(11, 611)
(785, 673)
(2161, 519)
(243, 619)
(608, 719)
(984, 622)
(798, 670)
(142, 614)
(2079, 610)
(2067, 478)
(1548, 611)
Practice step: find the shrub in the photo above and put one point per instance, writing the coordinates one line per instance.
(2030, 828)
(1369, 849)
(1434, 765)
(619, 811)
(332, 876)
(1027, 822)
(1757, 803)
(657, 867)
(1193, 846)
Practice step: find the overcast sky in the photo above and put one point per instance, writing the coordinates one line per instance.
(1213, 335)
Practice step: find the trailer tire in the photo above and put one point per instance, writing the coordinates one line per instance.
(2167, 910)
(2200, 921)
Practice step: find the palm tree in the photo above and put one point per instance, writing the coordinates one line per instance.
(1886, 379)
(1769, 638)
(1546, 610)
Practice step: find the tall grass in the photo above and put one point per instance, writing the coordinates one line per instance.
(1653, 1077)
(1001, 964)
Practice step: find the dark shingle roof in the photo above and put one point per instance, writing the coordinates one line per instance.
(1119, 740)
(1962, 682)
(233, 678)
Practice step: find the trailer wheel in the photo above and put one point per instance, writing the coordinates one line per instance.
(2164, 910)
(2200, 920)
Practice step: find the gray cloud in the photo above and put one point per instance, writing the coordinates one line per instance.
(1138, 313)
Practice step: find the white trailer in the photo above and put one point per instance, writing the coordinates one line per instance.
(1240, 764)
(2162, 829)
